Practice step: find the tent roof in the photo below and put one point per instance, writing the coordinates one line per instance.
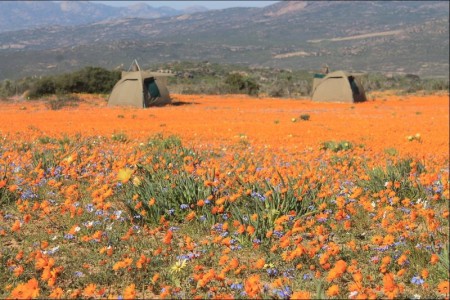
(144, 74)
(343, 74)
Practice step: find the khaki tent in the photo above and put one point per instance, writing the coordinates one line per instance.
(140, 89)
(338, 86)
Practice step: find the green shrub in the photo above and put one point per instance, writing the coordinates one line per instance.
(63, 100)
(391, 151)
(88, 80)
(174, 189)
(44, 86)
(304, 117)
(159, 142)
(238, 83)
(119, 137)
(6, 196)
(398, 172)
(336, 146)
(46, 140)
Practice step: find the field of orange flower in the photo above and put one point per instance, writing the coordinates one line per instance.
(226, 197)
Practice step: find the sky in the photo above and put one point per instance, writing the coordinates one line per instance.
(184, 4)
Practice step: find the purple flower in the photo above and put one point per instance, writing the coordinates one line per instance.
(417, 280)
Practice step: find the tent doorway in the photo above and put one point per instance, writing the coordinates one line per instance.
(151, 91)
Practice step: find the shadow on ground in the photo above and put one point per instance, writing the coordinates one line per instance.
(181, 103)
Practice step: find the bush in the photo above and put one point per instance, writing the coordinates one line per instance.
(238, 83)
(336, 146)
(169, 182)
(44, 86)
(63, 100)
(399, 172)
(119, 137)
(87, 80)
(304, 117)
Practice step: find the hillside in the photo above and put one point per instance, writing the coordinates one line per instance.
(16, 15)
(389, 37)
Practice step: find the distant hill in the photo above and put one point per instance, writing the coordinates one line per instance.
(372, 36)
(15, 15)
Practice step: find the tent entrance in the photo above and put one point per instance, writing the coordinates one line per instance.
(151, 91)
(355, 89)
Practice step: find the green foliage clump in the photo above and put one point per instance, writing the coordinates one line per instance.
(336, 146)
(168, 182)
(391, 151)
(119, 137)
(87, 80)
(305, 117)
(408, 83)
(239, 84)
(399, 172)
(6, 195)
(63, 100)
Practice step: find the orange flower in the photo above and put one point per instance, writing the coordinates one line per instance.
(443, 287)
(27, 218)
(250, 230)
(119, 265)
(29, 290)
(337, 271)
(253, 286)
(168, 237)
(18, 271)
(377, 240)
(90, 290)
(260, 263)
(388, 240)
(434, 258)
(390, 288)
(402, 259)
(301, 295)
(56, 293)
(75, 293)
(333, 290)
(190, 216)
(155, 278)
(16, 226)
(130, 292)
(19, 255)
(234, 263)
(223, 260)
(386, 260)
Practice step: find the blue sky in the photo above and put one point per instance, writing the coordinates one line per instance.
(184, 4)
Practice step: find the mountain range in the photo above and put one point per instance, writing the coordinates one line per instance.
(16, 15)
(369, 36)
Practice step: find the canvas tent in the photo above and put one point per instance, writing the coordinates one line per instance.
(338, 86)
(140, 89)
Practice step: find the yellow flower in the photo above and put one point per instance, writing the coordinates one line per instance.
(136, 181)
(124, 175)
(270, 265)
(178, 266)
(69, 159)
